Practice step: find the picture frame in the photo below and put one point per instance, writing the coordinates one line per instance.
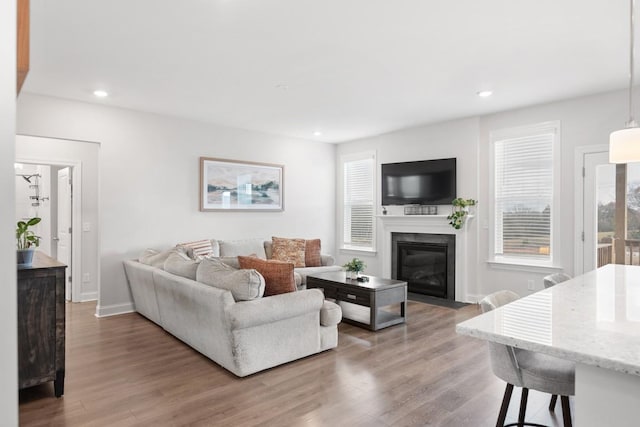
(234, 185)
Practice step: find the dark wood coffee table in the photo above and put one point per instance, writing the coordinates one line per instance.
(362, 302)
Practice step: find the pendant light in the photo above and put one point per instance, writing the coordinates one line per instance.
(624, 144)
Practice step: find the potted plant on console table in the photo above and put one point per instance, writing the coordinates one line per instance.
(354, 268)
(27, 241)
(460, 211)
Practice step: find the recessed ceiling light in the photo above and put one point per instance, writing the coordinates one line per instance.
(485, 93)
(100, 93)
(317, 133)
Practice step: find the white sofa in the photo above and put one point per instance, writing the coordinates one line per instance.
(244, 337)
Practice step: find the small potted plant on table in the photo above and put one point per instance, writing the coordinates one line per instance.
(354, 268)
(27, 241)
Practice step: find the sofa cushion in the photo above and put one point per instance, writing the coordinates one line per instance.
(312, 256)
(244, 285)
(231, 261)
(289, 250)
(230, 248)
(330, 314)
(278, 275)
(181, 265)
(201, 248)
(154, 258)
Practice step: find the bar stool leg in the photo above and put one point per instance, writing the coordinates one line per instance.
(505, 405)
(552, 404)
(523, 405)
(566, 411)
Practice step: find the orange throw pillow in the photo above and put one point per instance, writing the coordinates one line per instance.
(289, 250)
(312, 253)
(278, 275)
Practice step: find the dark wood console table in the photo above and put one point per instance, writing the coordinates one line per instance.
(41, 323)
(362, 302)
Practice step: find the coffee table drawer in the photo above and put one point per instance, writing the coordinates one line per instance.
(354, 296)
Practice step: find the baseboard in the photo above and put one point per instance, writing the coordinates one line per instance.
(88, 296)
(115, 309)
(474, 298)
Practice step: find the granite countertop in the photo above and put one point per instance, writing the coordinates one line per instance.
(592, 319)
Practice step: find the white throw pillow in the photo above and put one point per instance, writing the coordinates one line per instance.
(244, 285)
(181, 265)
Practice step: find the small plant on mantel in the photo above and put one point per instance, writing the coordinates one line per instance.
(460, 211)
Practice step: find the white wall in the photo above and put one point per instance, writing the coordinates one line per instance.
(457, 139)
(86, 155)
(8, 295)
(149, 172)
(584, 121)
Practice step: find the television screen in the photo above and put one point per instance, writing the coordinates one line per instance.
(425, 182)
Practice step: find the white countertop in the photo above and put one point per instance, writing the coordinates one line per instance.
(592, 319)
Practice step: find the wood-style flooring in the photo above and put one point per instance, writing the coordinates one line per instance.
(126, 371)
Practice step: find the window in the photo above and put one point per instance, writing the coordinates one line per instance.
(358, 189)
(524, 189)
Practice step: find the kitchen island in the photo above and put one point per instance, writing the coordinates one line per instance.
(593, 320)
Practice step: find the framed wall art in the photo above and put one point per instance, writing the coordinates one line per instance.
(232, 185)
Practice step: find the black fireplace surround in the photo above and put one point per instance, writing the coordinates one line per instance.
(426, 262)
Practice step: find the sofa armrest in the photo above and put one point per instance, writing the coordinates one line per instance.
(327, 259)
(330, 314)
(245, 314)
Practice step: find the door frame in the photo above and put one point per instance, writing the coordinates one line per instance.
(580, 152)
(76, 218)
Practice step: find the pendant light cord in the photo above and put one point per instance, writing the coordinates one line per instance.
(632, 122)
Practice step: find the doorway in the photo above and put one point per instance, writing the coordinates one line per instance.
(45, 191)
(597, 243)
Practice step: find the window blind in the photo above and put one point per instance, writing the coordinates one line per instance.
(358, 203)
(523, 191)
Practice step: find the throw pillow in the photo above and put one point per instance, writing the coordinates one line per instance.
(289, 250)
(181, 265)
(231, 261)
(278, 276)
(154, 258)
(242, 247)
(198, 249)
(312, 256)
(244, 285)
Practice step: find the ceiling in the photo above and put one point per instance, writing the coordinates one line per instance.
(347, 68)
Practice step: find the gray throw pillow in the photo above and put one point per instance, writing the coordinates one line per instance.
(244, 285)
(181, 265)
(242, 247)
(154, 258)
(231, 261)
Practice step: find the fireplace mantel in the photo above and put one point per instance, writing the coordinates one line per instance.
(431, 224)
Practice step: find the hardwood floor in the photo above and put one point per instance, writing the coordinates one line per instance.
(126, 371)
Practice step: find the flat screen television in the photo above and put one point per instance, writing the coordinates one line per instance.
(425, 182)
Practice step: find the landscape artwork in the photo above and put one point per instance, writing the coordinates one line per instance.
(237, 185)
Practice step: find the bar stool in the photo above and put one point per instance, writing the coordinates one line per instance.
(528, 369)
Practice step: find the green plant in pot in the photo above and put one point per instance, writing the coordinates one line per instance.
(354, 268)
(27, 240)
(460, 211)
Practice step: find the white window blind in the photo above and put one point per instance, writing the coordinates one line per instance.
(358, 216)
(523, 194)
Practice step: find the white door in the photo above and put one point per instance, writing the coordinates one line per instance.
(598, 209)
(64, 225)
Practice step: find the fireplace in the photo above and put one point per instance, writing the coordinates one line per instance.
(426, 262)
